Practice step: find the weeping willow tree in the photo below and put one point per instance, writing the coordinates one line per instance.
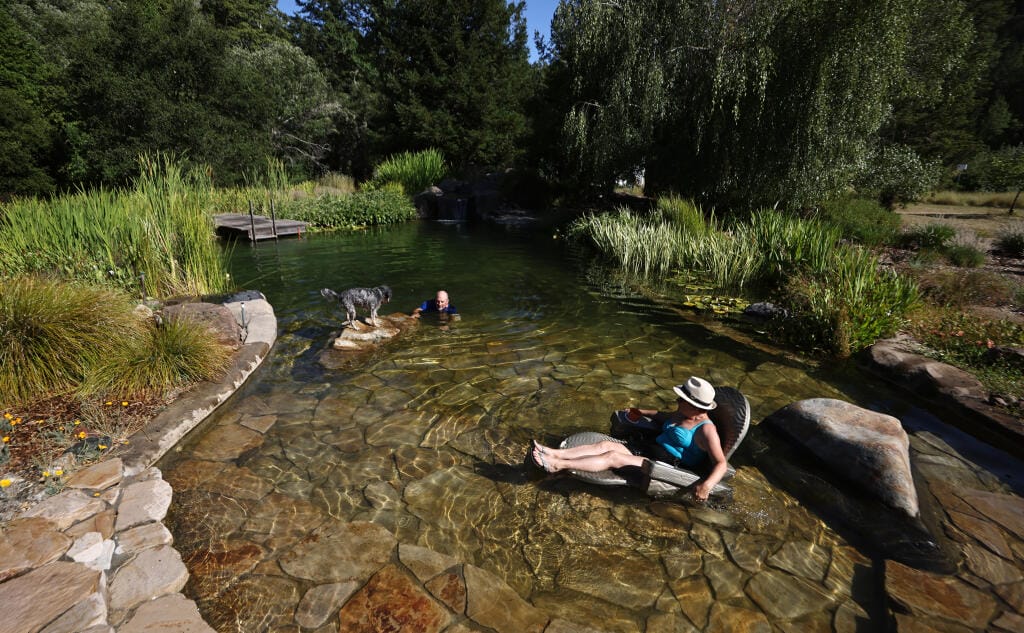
(735, 101)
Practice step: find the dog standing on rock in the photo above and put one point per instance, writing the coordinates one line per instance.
(368, 298)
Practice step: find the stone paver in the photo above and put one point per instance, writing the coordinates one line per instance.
(154, 572)
(32, 601)
(322, 602)
(98, 476)
(143, 502)
(173, 612)
(29, 543)
(390, 601)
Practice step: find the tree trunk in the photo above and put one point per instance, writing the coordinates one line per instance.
(1014, 203)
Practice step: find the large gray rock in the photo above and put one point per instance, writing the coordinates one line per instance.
(867, 448)
(215, 317)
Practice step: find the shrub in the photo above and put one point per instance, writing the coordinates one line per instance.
(930, 236)
(965, 256)
(848, 306)
(414, 171)
(959, 288)
(1011, 243)
(862, 220)
(998, 170)
(365, 208)
(53, 333)
(175, 354)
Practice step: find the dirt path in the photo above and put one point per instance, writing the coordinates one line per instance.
(975, 225)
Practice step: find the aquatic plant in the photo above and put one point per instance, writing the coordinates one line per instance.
(415, 171)
(157, 237)
(386, 205)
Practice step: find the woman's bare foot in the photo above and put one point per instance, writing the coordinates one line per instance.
(538, 456)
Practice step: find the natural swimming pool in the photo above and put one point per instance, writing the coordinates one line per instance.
(426, 438)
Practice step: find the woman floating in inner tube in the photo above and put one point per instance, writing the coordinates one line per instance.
(688, 437)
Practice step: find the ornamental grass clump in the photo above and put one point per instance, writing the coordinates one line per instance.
(641, 244)
(174, 354)
(52, 333)
(415, 171)
(848, 305)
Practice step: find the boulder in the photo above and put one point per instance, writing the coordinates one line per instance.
(869, 449)
(354, 342)
(216, 317)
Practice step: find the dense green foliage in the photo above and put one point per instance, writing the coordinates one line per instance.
(838, 299)
(862, 220)
(160, 230)
(387, 205)
(415, 171)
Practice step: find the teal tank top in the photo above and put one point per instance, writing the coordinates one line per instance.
(679, 443)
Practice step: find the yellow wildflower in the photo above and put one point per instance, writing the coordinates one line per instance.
(16, 421)
(76, 422)
(4, 483)
(108, 403)
(58, 472)
(102, 446)
(8, 416)
(81, 435)
(124, 404)
(46, 473)
(7, 438)
(95, 494)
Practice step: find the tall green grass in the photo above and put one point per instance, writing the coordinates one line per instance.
(839, 297)
(415, 171)
(383, 206)
(159, 233)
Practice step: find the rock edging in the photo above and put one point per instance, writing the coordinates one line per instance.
(97, 558)
(947, 387)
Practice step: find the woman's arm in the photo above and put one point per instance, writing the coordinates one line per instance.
(713, 446)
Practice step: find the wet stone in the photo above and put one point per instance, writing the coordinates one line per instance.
(346, 441)
(239, 483)
(1013, 594)
(725, 618)
(785, 597)
(492, 603)
(1009, 622)
(66, 508)
(243, 606)
(424, 563)
(707, 539)
(154, 572)
(667, 623)
(813, 623)
(279, 515)
(943, 597)
(989, 566)
(587, 612)
(221, 564)
(29, 543)
(340, 552)
(392, 602)
(1007, 510)
(173, 612)
(446, 429)
(726, 579)
(746, 550)
(322, 603)
(226, 443)
(848, 571)
(98, 476)
(449, 588)
(258, 423)
(416, 463)
(32, 601)
(919, 624)
(850, 617)
(681, 562)
(559, 625)
(143, 502)
(983, 531)
(694, 599)
(802, 558)
(617, 576)
(383, 496)
(193, 474)
(399, 429)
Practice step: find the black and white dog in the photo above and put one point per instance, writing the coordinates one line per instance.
(369, 298)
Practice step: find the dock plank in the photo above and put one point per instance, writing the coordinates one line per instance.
(238, 225)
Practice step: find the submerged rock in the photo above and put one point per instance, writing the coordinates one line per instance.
(363, 337)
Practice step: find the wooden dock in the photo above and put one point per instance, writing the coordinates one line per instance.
(256, 227)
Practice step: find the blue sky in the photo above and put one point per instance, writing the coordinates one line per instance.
(538, 17)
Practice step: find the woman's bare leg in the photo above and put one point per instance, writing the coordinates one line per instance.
(589, 463)
(585, 450)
